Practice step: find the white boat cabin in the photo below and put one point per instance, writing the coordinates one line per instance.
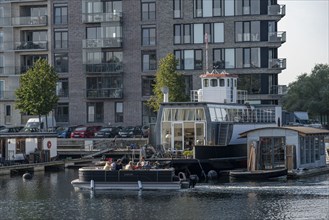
(289, 147)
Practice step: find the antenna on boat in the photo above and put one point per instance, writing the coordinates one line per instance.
(206, 40)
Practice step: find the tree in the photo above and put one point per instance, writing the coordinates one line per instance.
(167, 76)
(310, 92)
(37, 92)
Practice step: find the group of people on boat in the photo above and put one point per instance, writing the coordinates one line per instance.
(141, 164)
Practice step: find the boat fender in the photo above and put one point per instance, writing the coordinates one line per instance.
(193, 180)
(140, 185)
(181, 176)
(92, 185)
(212, 175)
(27, 176)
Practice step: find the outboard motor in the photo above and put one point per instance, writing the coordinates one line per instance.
(193, 180)
(27, 176)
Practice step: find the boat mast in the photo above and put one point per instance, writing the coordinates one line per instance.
(206, 40)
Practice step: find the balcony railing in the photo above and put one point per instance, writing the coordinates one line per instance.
(7, 95)
(102, 43)
(277, 10)
(101, 17)
(277, 63)
(113, 93)
(30, 21)
(31, 45)
(103, 68)
(277, 37)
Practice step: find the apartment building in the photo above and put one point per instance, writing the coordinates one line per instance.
(106, 52)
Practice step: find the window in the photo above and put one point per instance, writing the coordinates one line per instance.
(177, 8)
(105, 87)
(189, 59)
(61, 64)
(62, 88)
(118, 112)
(95, 112)
(147, 85)
(148, 11)
(246, 7)
(229, 58)
(60, 12)
(1, 64)
(20, 145)
(218, 59)
(148, 115)
(247, 57)
(1, 40)
(209, 8)
(62, 112)
(61, 39)
(149, 60)
(148, 37)
(229, 7)
(2, 89)
(8, 110)
(247, 31)
(250, 83)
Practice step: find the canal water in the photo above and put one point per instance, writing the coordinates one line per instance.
(49, 195)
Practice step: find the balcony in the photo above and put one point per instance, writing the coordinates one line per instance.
(277, 37)
(7, 95)
(103, 68)
(113, 93)
(277, 10)
(102, 43)
(31, 45)
(279, 64)
(30, 21)
(101, 17)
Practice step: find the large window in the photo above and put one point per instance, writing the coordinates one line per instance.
(149, 60)
(105, 87)
(247, 57)
(208, 8)
(189, 59)
(218, 59)
(148, 11)
(247, 7)
(250, 83)
(247, 31)
(147, 85)
(118, 112)
(61, 63)
(61, 39)
(95, 112)
(20, 146)
(62, 87)
(60, 12)
(272, 152)
(178, 8)
(148, 37)
(62, 112)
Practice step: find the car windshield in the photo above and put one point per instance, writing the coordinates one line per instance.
(81, 129)
(106, 129)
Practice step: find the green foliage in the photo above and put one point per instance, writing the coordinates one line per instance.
(37, 92)
(310, 93)
(167, 76)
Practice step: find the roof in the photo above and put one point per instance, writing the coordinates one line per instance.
(300, 129)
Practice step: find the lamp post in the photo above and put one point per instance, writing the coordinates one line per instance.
(165, 92)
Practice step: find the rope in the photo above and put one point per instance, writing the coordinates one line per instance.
(202, 171)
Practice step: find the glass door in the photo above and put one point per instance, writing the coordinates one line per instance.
(200, 133)
(177, 136)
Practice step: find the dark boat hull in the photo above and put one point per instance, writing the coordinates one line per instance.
(258, 174)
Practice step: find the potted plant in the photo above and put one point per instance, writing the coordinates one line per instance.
(188, 154)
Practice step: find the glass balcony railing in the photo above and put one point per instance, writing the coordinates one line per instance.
(31, 45)
(277, 10)
(277, 63)
(7, 95)
(102, 43)
(103, 68)
(30, 21)
(108, 93)
(277, 37)
(101, 17)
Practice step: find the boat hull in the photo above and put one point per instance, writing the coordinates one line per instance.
(258, 174)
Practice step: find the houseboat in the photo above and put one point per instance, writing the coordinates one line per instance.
(299, 149)
(96, 178)
(211, 123)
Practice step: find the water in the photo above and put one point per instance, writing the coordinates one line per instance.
(50, 195)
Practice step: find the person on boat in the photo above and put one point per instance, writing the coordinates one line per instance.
(147, 165)
(118, 164)
(142, 161)
(130, 166)
(107, 166)
(138, 166)
(114, 165)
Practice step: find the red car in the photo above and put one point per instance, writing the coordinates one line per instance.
(85, 132)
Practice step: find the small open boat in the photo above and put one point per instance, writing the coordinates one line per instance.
(258, 174)
(96, 178)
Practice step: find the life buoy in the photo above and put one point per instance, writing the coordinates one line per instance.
(181, 176)
(49, 144)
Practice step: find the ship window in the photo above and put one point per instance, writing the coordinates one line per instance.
(205, 83)
(213, 82)
(221, 82)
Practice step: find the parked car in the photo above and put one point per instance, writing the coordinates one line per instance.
(85, 132)
(65, 132)
(131, 132)
(107, 132)
(11, 129)
(146, 131)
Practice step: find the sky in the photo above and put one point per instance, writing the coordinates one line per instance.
(307, 25)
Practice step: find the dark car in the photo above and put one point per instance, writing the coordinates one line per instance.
(131, 132)
(107, 132)
(65, 132)
(11, 129)
(146, 131)
(85, 132)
